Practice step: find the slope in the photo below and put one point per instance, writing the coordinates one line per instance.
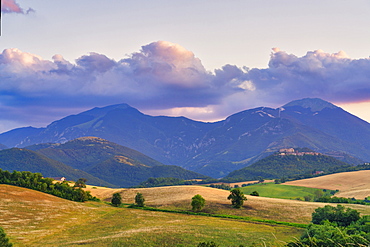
(350, 184)
(121, 166)
(216, 202)
(278, 166)
(27, 160)
(216, 149)
(31, 218)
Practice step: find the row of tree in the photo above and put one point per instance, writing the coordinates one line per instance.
(37, 182)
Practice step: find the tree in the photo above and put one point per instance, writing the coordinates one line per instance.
(197, 202)
(139, 200)
(116, 199)
(318, 194)
(4, 240)
(81, 183)
(329, 235)
(333, 227)
(237, 198)
(255, 193)
(307, 198)
(340, 215)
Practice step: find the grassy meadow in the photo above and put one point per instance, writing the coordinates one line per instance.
(282, 191)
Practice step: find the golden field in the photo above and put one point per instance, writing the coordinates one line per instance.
(350, 184)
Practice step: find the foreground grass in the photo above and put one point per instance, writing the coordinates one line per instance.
(32, 218)
(280, 191)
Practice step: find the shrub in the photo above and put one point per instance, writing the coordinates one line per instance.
(4, 240)
(255, 193)
(340, 215)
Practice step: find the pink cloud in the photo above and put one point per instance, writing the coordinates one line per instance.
(11, 6)
(166, 77)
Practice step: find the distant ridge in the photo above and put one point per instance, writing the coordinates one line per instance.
(108, 161)
(27, 160)
(215, 149)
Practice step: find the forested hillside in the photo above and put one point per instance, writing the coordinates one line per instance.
(279, 166)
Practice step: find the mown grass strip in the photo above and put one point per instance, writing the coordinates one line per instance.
(226, 216)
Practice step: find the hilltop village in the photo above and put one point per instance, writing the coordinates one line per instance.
(292, 151)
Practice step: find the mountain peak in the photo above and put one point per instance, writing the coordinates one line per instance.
(98, 111)
(315, 104)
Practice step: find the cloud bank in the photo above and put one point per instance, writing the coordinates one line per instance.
(11, 6)
(165, 78)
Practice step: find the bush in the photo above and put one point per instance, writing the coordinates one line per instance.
(340, 215)
(4, 240)
(308, 198)
(207, 244)
(255, 193)
(80, 183)
(221, 186)
(335, 226)
(329, 235)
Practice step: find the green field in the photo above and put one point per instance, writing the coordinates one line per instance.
(281, 191)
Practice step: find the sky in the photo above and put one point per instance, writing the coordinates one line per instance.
(202, 59)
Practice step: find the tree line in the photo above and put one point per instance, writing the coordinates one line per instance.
(36, 181)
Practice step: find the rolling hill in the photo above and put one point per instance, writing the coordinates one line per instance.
(32, 218)
(216, 201)
(350, 184)
(214, 149)
(27, 160)
(121, 166)
(281, 165)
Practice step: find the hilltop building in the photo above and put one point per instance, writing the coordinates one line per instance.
(292, 151)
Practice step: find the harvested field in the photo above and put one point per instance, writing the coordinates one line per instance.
(32, 218)
(179, 197)
(350, 184)
(25, 213)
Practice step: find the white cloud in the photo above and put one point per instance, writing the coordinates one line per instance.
(166, 78)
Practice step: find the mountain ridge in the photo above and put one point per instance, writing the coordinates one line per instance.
(216, 149)
(108, 161)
